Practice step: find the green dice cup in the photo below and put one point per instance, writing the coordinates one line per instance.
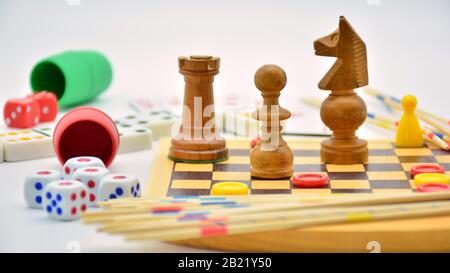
(74, 77)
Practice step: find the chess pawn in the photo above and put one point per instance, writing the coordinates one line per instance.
(409, 132)
(197, 140)
(271, 158)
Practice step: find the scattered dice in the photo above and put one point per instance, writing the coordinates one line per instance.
(65, 200)
(90, 177)
(21, 113)
(48, 103)
(75, 163)
(118, 186)
(35, 184)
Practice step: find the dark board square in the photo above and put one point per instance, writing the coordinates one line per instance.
(390, 184)
(416, 159)
(386, 167)
(351, 190)
(440, 152)
(347, 176)
(188, 192)
(275, 191)
(373, 152)
(310, 168)
(239, 152)
(192, 175)
(231, 167)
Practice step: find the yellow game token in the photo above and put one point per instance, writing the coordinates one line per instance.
(229, 188)
(425, 178)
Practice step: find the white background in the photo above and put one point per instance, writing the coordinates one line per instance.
(407, 43)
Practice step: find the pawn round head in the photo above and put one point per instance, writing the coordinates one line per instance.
(409, 103)
(270, 78)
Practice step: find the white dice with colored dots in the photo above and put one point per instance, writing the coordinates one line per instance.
(90, 177)
(119, 185)
(75, 163)
(65, 200)
(35, 184)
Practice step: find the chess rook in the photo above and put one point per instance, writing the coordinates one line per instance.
(197, 140)
(271, 158)
(343, 111)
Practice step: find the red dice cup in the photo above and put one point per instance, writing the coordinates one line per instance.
(86, 131)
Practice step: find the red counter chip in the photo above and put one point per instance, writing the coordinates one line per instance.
(310, 180)
(426, 168)
(432, 187)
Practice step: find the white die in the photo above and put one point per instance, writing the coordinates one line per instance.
(90, 177)
(75, 163)
(118, 185)
(65, 200)
(35, 184)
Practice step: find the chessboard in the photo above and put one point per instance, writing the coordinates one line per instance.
(387, 172)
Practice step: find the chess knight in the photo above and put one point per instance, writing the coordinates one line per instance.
(343, 111)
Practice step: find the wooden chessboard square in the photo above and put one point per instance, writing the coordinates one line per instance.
(345, 168)
(186, 167)
(443, 158)
(407, 166)
(236, 160)
(310, 168)
(416, 159)
(306, 146)
(383, 145)
(347, 175)
(315, 191)
(349, 184)
(271, 184)
(192, 175)
(231, 176)
(383, 167)
(413, 151)
(270, 191)
(188, 192)
(389, 152)
(438, 151)
(350, 192)
(390, 184)
(307, 160)
(191, 184)
(383, 159)
(231, 168)
(386, 175)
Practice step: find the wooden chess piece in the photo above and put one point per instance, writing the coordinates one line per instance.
(197, 140)
(271, 158)
(343, 111)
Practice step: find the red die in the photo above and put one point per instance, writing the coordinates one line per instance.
(48, 103)
(21, 113)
